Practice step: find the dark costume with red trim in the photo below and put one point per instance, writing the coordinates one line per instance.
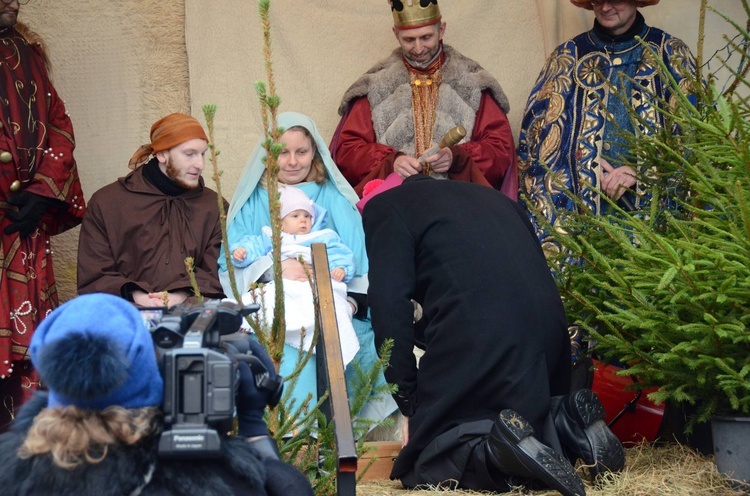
(36, 157)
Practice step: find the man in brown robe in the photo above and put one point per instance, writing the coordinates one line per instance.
(40, 196)
(139, 230)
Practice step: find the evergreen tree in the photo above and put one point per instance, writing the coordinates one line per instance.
(666, 290)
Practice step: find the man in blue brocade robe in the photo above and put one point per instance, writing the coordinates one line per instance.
(572, 140)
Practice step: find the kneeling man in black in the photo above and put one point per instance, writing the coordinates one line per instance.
(489, 406)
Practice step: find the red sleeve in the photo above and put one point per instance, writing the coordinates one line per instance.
(491, 146)
(56, 175)
(354, 148)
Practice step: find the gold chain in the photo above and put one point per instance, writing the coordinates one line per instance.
(424, 98)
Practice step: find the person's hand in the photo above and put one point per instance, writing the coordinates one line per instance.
(338, 274)
(293, 270)
(252, 400)
(406, 166)
(143, 299)
(441, 161)
(31, 208)
(616, 181)
(160, 298)
(176, 297)
(239, 254)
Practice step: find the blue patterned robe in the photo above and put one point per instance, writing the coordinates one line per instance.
(574, 117)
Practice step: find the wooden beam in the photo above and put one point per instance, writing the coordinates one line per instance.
(331, 376)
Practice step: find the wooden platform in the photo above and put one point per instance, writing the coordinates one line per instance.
(385, 452)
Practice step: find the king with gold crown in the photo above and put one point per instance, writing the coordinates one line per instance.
(406, 103)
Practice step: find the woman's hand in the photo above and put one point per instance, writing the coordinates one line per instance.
(293, 270)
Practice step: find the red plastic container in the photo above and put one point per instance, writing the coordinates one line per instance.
(631, 421)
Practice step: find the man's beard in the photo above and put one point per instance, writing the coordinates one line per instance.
(5, 23)
(172, 173)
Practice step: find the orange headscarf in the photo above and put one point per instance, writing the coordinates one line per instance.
(166, 133)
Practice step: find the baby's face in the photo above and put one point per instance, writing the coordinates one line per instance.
(297, 222)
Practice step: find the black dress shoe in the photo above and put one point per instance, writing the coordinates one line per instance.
(580, 425)
(513, 450)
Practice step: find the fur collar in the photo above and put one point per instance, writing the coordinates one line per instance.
(460, 72)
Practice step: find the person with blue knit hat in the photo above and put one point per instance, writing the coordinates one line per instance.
(96, 430)
(95, 353)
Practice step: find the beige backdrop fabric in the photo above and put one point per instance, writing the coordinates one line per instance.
(121, 64)
(321, 46)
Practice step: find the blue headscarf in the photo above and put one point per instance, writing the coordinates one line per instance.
(248, 210)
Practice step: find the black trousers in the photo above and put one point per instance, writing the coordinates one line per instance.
(457, 459)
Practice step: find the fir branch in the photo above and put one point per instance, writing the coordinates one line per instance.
(269, 103)
(209, 112)
(190, 267)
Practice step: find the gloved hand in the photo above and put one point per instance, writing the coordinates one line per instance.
(252, 400)
(31, 208)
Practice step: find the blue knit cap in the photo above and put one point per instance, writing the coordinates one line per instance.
(95, 351)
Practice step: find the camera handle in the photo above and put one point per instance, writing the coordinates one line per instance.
(263, 378)
(260, 373)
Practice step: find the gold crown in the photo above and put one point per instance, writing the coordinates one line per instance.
(411, 14)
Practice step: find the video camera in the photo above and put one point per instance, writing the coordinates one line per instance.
(198, 348)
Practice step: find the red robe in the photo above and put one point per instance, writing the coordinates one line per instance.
(491, 149)
(38, 136)
(373, 130)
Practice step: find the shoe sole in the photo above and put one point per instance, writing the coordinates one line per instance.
(546, 464)
(609, 454)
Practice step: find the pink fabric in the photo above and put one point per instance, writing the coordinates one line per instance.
(391, 181)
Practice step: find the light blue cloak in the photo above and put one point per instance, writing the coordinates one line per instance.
(249, 212)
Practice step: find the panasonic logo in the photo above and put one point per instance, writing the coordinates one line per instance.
(187, 439)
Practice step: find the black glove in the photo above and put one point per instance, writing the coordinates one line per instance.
(31, 208)
(252, 398)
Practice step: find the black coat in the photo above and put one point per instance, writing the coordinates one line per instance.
(125, 468)
(495, 329)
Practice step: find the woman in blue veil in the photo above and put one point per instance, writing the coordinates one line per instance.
(249, 212)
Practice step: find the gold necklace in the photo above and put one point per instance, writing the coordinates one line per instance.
(424, 97)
